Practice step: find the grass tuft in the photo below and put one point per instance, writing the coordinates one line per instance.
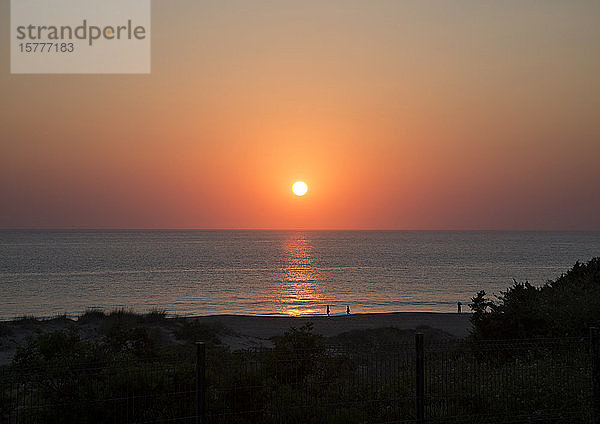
(122, 313)
(123, 317)
(27, 318)
(61, 317)
(91, 315)
(155, 315)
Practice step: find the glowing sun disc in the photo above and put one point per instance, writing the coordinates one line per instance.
(299, 188)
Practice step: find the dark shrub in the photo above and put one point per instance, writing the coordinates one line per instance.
(567, 306)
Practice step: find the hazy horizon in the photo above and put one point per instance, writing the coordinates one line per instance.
(299, 230)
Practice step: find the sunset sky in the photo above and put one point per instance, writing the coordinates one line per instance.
(398, 115)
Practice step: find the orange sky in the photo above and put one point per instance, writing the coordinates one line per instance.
(399, 115)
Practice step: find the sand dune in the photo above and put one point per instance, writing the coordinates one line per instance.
(239, 331)
(265, 327)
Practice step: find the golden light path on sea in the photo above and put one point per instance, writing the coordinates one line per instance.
(300, 288)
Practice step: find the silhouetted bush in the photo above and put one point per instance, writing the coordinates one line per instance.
(296, 355)
(56, 352)
(567, 306)
(91, 315)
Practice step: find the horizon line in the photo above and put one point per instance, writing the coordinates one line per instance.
(108, 228)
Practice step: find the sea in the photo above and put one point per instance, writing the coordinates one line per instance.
(199, 272)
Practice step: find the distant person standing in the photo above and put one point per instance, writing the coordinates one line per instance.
(327, 310)
(459, 305)
(348, 310)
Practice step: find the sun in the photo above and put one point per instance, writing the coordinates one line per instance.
(299, 188)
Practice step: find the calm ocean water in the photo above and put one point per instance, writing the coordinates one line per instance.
(273, 272)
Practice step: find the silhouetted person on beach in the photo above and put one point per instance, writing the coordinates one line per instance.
(459, 307)
(347, 310)
(327, 310)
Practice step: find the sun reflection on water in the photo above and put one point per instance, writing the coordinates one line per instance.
(300, 293)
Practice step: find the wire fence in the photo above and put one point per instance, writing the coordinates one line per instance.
(518, 381)
(548, 380)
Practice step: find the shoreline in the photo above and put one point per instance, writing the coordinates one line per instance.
(452, 322)
(76, 315)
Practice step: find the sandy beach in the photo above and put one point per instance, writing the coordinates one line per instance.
(239, 331)
(265, 327)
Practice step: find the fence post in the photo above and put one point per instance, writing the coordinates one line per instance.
(595, 352)
(200, 383)
(420, 375)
